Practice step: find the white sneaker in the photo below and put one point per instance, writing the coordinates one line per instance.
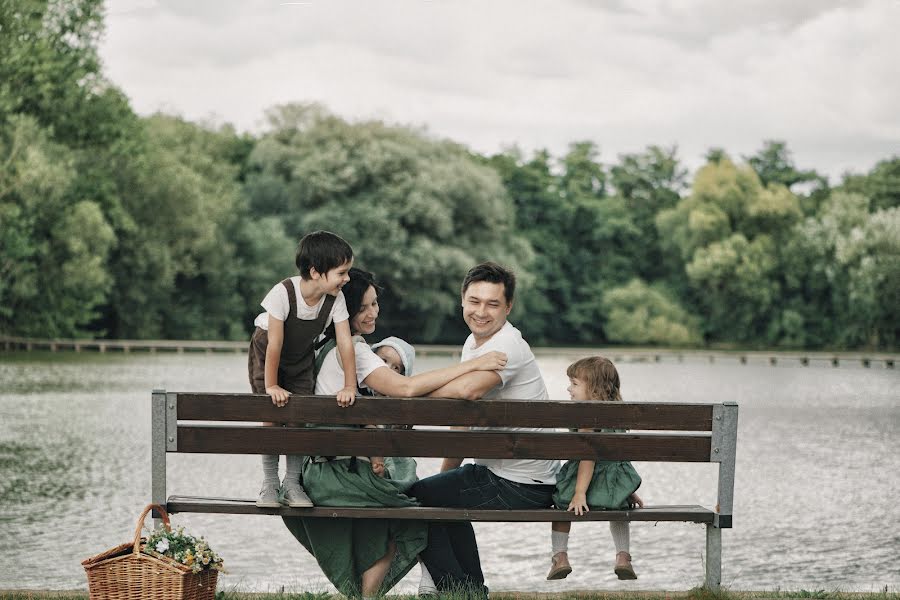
(268, 496)
(294, 496)
(426, 583)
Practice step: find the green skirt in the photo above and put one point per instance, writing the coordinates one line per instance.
(345, 548)
(611, 485)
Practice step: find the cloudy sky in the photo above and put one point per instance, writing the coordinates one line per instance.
(822, 75)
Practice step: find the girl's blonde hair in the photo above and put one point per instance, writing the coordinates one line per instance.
(600, 376)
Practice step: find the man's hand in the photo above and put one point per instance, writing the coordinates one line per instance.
(279, 395)
(346, 396)
(491, 361)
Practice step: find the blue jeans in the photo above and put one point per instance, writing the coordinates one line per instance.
(452, 553)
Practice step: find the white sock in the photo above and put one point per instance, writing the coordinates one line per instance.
(270, 468)
(621, 535)
(294, 467)
(426, 583)
(559, 542)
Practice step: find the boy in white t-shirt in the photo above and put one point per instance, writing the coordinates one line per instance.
(282, 358)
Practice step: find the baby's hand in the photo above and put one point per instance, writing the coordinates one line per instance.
(634, 501)
(492, 361)
(346, 397)
(279, 395)
(377, 465)
(579, 504)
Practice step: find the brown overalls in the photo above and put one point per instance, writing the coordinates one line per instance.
(296, 367)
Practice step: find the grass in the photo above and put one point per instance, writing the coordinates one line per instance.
(695, 594)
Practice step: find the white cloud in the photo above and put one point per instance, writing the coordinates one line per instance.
(820, 74)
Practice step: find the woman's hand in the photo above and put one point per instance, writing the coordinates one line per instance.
(346, 397)
(579, 503)
(492, 361)
(279, 395)
(634, 501)
(377, 465)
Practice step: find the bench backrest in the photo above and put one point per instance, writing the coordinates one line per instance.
(659, 432)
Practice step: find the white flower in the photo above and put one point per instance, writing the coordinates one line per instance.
(162, 545)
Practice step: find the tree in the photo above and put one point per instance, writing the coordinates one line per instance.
(53, 274)
(774, 164)
(584, 240)
(641, 314)
(176, 266)
(50, 69)
(881, 185)
(840, 268)
(649, 182)
(728, 232)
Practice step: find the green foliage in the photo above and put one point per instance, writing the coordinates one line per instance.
(881, 185)
(773, 164)
(50, 69)
(733, 280)
(649, 182)
(840, 270)
(417, 211)
(177, 268)
(54, 247)
(585, 241)
(121, 226)
(641, 314)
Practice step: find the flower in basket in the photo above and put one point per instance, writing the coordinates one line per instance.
(183, 548)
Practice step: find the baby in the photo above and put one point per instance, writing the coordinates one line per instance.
(397, 354)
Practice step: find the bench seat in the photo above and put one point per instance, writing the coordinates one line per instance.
(246, 506)
(666, 432)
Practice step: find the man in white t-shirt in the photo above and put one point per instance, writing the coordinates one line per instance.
(451, 557)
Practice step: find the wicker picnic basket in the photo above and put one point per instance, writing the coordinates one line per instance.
(126, 573)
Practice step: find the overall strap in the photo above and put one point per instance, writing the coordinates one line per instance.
(292, 298)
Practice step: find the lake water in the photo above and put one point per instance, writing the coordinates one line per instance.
(817, 479)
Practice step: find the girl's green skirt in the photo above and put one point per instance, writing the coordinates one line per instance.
(611, 485)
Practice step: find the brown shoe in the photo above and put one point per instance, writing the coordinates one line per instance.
(559, 566)
(623, 569)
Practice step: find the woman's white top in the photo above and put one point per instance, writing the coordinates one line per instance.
(330, 379)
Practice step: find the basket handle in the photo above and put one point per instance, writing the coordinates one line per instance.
(140, 524)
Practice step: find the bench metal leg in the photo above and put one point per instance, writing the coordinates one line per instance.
(713, 558)
(158, 451)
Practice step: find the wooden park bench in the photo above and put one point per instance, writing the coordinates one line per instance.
(662, 432)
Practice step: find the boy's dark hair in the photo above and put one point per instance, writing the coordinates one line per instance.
(353, 291)
(322, 251)
(492, 273)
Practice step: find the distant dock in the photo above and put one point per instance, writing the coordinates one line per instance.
(616, 354)
(124, 346)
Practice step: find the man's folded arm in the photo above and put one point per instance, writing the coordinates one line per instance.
(471, 386)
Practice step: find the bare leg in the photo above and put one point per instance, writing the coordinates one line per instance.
(559, 541)
(374, 575)
(561, 526)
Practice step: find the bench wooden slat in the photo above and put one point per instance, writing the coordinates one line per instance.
(198, 504)
(219, 439)
(444, 411)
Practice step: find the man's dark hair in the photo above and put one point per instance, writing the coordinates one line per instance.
(322, 251)
(492, 273)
